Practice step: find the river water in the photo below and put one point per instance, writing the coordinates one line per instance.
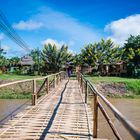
(128, 107)
(10, 107)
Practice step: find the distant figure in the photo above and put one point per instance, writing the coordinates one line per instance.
(69, 71)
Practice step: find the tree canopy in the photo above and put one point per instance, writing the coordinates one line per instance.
(56, 58)
(100, 53)
(132, 51)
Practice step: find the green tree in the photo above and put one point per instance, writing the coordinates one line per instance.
(100, 53)
(13, 61)
(108, 52)
(131, 53)
(132, 50)
(2, 57)
(36, 56)
(56, 58)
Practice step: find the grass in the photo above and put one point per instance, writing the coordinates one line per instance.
(15, 77)
(16, 94)
(132, 84)
(12, 95)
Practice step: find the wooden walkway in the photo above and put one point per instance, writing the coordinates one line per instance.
(60, 115)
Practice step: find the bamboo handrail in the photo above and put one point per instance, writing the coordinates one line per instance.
(133, 130)
(33, 80)
(28, 80)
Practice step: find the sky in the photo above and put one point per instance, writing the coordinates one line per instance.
(75, 22)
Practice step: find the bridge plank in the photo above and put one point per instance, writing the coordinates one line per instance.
(61, 114)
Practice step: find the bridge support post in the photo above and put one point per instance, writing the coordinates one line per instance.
(34, 95)
(95, 116)
(60, 77)
(81, 83)
(47, 85)
(77, 76)
(86, 92)
(57, 79)
(54, 81)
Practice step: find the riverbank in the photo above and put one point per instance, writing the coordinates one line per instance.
(14, 95)
(117, 87)
(17, 91)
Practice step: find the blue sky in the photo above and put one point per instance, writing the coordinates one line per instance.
(75, 22)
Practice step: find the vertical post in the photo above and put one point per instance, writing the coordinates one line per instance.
(86, 91)
(60, 77)
(77, 75)
(95, 122)
(57, 79)
(54, 81)
(82, 83)
(34, 95)
(65, 76)
(47, 85)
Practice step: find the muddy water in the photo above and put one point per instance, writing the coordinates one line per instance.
(129, 107)
(10, 107)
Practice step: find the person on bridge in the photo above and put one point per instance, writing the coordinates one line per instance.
(69, 71)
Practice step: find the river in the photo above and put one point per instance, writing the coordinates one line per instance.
(10, 107)
(128, 107)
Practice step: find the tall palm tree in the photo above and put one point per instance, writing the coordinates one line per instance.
(56, 58)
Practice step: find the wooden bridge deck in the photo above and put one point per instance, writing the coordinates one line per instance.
(60, 115)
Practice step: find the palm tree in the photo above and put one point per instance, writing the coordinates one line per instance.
(103, 52)
(56, 58)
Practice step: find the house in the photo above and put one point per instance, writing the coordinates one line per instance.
(116, 69)
(26, 64)
(85, 69)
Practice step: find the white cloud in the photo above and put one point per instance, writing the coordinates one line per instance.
(28, 25)
(66, 26)
(1, 36)
(121, 29)
(53, 42)
(62, 24)
(59, 44)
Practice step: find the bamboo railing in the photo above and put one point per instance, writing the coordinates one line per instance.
(50, 81)
(86, 84)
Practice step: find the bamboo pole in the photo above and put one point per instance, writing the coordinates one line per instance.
(82, 83)
(60, 77)
(86, 92)
(54, 81)
(47, 85)
(109, 121)
(95, 124)
(34, 95)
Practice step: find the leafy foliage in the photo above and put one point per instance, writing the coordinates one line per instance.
(132, 50)
(13, 61)
(100, 53)
(35, 54)
(56, 58)
(3, 60)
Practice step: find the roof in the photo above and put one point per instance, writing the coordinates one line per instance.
(27, 60)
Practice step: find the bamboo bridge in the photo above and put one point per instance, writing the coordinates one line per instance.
(62, 113)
